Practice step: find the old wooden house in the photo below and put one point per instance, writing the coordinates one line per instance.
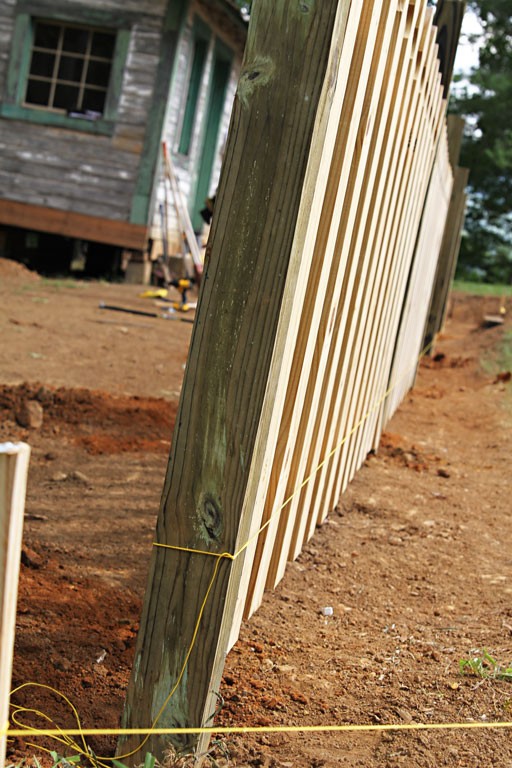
(88, 91)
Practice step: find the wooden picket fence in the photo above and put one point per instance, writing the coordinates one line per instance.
(317, 286)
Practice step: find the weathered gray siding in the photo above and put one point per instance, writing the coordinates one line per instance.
(186, 166)
(72, 170)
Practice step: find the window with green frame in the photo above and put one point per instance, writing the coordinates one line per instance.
(70, 68)
(66, 73)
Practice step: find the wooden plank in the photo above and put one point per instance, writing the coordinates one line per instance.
(318, 251)
(234, 389)
(406, 225)
(455, 125)
(448, 20)
(368, 246)
(359, 397)
(425, 149)
(363, 399)
(451, 239)
(330, 263)
(390, 163)
(40, 219)
(412, 321)
(354, 183)
(14, 458)
(447, 257)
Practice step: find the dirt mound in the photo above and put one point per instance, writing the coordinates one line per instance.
(100, 422)
(15, 272)
(87, 646)
(472, 309)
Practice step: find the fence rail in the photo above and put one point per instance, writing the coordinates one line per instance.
(317, 285)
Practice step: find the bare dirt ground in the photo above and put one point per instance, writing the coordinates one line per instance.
(416, 562)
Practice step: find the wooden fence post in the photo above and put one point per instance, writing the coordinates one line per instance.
(225, 432)
(447, 257)
(448, 20)
(14, 458)
(450, 245)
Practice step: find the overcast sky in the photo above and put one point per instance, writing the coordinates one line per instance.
(467, 53)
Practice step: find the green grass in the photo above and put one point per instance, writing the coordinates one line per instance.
(482, 289)
(485, 665)
(59, 282)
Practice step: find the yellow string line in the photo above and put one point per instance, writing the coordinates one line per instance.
(483, 725)
(298, 489)
(62, 735)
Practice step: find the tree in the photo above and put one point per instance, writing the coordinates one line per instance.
(486, 103)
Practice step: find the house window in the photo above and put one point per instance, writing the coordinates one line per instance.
(70, 69)
(66, 72)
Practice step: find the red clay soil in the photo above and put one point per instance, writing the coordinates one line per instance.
(415, 562)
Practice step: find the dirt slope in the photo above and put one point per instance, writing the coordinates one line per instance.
(415, 563)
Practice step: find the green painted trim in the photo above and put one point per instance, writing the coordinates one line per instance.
(115, 86)
(194, 86)
(17, 73)
(221, 71)
(54, 119)
(19, 61)
(145, 189)
(65, 11)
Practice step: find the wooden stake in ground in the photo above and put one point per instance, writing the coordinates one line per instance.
(14, 458)
(224, 430)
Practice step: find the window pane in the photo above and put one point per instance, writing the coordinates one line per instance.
(70, 68)
(98, 73)
(42, 64)
(75, 40)
(67, 97)
(46, 36)
(94, 100)
(38, 92)
(102, 45)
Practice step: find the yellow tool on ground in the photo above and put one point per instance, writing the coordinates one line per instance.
(183, 285)
(154, 293)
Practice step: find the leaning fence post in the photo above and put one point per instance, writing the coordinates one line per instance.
(210, 501)
(14, 458)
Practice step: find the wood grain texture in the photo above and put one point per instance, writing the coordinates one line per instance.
(409, 341)
(355, 143)
(447, 257)
(328, 260)
(318, 255)
(14, 459)
(372, 209)
(359, 343)
(66, 223)
(215, 459)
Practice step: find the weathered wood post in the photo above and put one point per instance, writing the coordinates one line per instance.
(14, 458)
(223, 440)
(450, 245)
(448, 20)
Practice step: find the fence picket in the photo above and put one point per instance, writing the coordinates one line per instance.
(355, 225)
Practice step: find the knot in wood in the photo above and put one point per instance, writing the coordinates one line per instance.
(210, 518)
